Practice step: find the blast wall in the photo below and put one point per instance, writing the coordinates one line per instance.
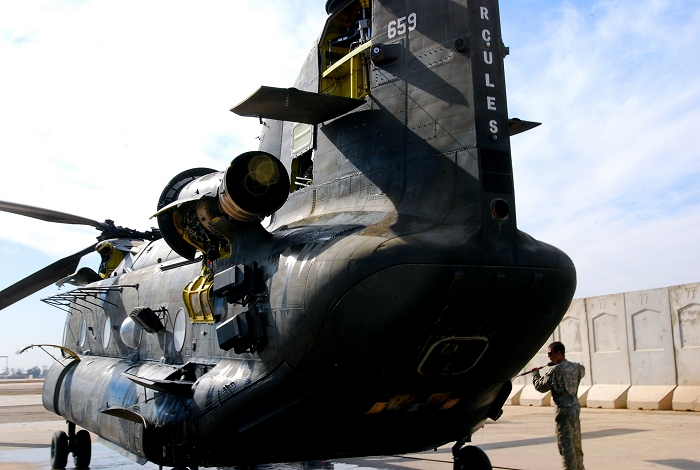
(641, 350)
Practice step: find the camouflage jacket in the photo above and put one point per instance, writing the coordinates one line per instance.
(563, 380)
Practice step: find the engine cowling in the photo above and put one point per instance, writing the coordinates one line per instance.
(253, 186)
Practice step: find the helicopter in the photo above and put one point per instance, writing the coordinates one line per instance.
(363, 266)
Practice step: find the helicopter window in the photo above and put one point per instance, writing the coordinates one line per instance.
(179, 330)
(345, 51)
(83, 334)
(107, 333)
(111, 258)
(302, 138)
(302, 156)
(130, 333)
(302, 171)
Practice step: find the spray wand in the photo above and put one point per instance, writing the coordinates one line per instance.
(533, 370)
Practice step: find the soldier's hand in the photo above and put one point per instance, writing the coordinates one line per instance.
(534, 369)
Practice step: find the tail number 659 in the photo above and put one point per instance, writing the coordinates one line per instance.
(399, 27)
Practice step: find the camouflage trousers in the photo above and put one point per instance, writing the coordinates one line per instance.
(569, 437)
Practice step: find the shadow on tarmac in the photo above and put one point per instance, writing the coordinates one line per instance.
(682, 464)
(24, 446)
(603, 433)
(551, 439)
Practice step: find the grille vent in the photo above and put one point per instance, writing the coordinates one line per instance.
(496, 171)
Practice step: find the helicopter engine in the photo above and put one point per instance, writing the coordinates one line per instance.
(200, 208)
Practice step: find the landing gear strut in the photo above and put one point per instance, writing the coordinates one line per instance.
(469, 457)
(78, 443)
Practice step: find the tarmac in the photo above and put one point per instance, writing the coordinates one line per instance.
(523, 439)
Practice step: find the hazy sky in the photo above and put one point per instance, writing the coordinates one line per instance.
(101, 103)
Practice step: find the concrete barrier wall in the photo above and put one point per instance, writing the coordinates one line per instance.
(573, 332)
(610, 369)
(641, 350)
(529, 396)
(650, 346)
(685, 318)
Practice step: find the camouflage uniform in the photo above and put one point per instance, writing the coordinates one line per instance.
(563, 380)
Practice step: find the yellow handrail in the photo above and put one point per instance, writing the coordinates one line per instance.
(346, 57)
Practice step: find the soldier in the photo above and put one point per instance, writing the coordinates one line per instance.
(563, 380)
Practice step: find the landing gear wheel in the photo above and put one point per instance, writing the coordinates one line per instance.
(82, 449)
(471, 458)
(59, 449)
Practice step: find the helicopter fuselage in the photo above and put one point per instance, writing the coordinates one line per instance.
(388, 304)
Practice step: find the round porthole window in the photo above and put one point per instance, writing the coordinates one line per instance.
(83, 334)
(179, 330)
(107, 333)
(130, 333)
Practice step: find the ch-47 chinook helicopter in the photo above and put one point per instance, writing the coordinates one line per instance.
(391, 290)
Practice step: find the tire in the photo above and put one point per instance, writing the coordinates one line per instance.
(59, 449)
(82, 449)
(472, 458)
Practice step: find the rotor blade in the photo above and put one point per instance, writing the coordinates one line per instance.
(64, 350)
(42, 278)
(48, 215)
